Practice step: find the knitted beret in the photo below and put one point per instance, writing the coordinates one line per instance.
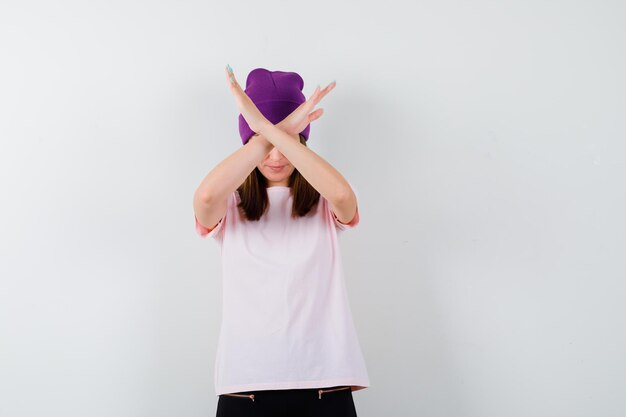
(276, 94)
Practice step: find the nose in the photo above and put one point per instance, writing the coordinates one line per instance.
(275, 154)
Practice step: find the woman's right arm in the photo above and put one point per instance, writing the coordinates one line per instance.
(211, 198)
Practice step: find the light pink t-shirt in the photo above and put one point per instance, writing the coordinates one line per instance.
(286, 318)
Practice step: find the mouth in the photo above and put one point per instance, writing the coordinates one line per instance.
(276, 168)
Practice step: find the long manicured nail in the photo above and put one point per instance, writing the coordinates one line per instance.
(230, 74)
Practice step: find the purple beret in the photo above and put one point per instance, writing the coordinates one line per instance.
(276, 94)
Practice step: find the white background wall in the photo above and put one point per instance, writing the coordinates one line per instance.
(487, 142)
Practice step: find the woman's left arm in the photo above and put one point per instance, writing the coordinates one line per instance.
(316, 170)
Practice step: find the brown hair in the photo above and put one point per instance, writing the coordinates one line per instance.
(254, 200)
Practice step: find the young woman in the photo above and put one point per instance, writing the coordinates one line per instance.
(287, 343)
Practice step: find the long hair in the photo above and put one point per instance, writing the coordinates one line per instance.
(254, 200)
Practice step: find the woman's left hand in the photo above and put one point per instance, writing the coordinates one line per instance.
(247, 108)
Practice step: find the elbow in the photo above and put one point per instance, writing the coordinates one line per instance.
(201, 197)
(344, 194)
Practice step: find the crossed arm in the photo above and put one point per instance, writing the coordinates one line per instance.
(327, 180)
(226, 176)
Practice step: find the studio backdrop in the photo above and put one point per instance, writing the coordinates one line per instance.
(487, 143)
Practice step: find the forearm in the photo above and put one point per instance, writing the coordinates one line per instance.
(231, 172)
(318, 172)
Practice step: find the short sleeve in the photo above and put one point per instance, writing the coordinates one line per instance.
(355, 220)
(217, 231)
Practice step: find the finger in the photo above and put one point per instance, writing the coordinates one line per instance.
(232, 82)
(328, 89)
(231, 76)
(319, 94)
(309, 103)
(315, 94)
(316, 114)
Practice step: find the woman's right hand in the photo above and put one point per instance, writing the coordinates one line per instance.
(301, 117)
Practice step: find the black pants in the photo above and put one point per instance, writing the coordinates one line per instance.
(302, 402)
